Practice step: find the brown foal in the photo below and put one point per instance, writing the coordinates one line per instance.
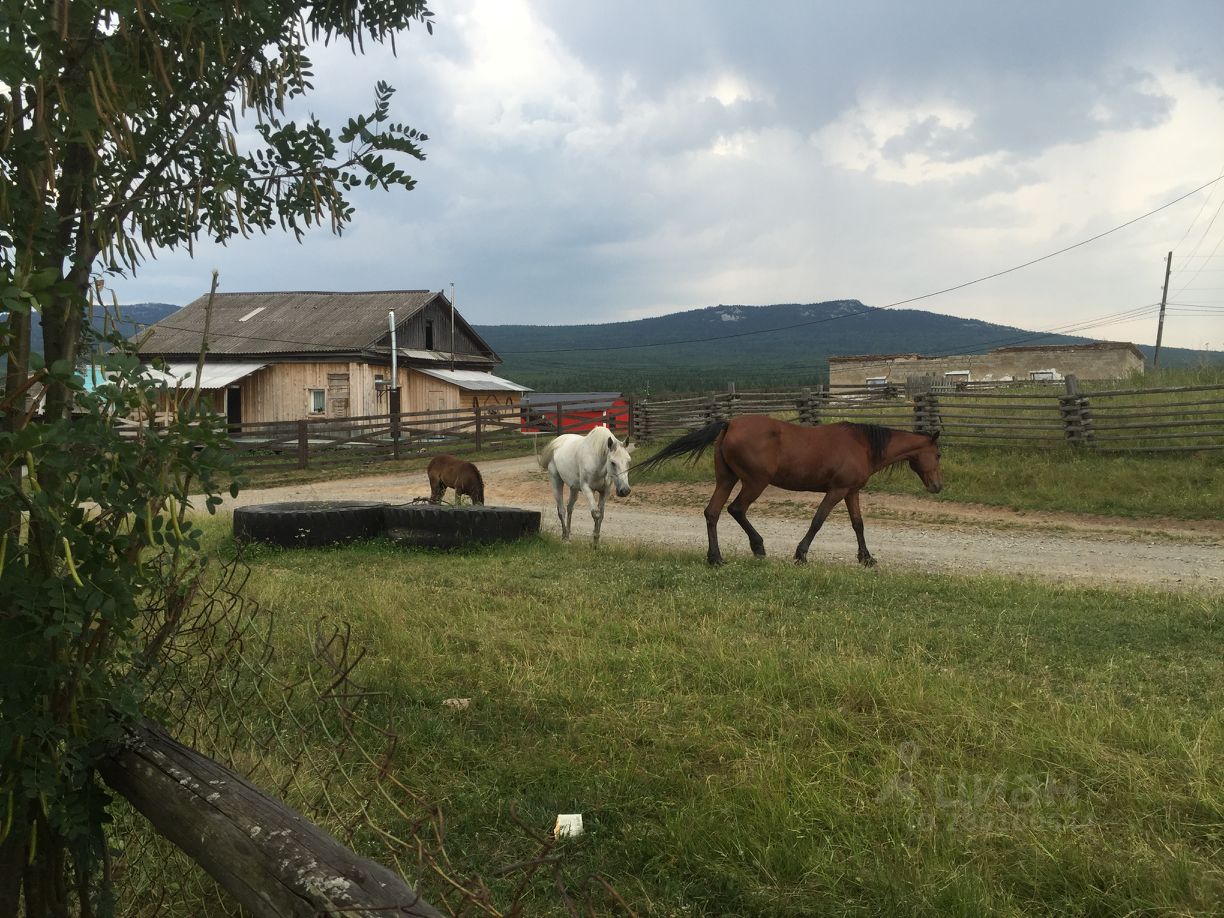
(451, 472)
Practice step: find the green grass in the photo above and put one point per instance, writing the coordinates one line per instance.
(763, 739)
(1183, 487)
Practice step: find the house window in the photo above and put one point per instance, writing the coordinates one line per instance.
(318, 401)
(956, 376)
(1041, 374)
(429, 335)
(877, 380)
(380, 381)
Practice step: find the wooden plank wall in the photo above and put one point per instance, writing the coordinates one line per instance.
(411, 333)
(281, 392)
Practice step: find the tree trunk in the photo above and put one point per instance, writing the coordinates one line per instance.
(270, 858)
(14, 852)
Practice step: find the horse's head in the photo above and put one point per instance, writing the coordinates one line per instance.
(925, 463)
(618, 464)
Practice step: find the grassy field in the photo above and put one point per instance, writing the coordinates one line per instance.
(767, 740)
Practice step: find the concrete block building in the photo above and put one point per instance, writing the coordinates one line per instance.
(1096, 360)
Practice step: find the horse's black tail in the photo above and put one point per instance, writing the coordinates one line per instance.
(691, 445)
(478, 497)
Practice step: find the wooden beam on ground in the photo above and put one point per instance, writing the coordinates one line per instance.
(270, 858)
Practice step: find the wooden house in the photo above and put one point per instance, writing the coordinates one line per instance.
(309, 354)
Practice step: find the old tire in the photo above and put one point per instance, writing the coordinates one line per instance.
(309, 524)
(441, 526)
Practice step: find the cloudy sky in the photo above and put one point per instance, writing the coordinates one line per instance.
(592, 161)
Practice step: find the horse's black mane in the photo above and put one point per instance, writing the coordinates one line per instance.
(878, 438)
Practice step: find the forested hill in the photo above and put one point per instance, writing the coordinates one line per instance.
(793, 353)
(131, 319)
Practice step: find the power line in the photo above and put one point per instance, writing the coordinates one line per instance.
(913, 299)
(1019, 338)
(1202, 207)
(865, 311)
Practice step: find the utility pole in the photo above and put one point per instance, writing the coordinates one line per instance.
(1160, 325)
(453, 330)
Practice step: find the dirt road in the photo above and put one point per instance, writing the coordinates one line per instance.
(902, 531)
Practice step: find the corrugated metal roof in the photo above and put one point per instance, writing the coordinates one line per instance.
(1063, 348)
(474, 380)
(434, 356)
(215, 375)
(286, 322)
(555, 397)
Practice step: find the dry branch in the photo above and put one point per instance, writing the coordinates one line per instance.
(271, 859)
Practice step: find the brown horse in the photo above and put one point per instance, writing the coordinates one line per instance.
(834, 458)
(452, 472)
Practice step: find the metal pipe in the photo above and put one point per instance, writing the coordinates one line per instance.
(394, 365)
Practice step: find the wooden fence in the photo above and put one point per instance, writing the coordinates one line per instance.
(334, 441)
(1171, 419)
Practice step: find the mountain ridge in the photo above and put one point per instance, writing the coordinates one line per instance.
(783, 344)
(774, 345)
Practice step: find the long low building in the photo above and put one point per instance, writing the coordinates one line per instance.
(1097, 360)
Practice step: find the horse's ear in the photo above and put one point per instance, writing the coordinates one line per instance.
(935, 437)
(611, 443)
(629, 447)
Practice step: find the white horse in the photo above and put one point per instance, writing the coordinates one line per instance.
(594, 464)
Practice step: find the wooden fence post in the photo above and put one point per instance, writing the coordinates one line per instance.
(816, 404)
(803, 404)
(1076, 416)
(559, 430)
(629, 417)
(1087, 424)
(303, 444)
(476, 408)
(641, 419)
(926, 414)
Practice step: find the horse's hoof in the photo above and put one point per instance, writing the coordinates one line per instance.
(868, 561)
(801, 559)
(716, 561)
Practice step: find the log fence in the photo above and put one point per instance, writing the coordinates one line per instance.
(1034, 413)
(1164, 419)
(321, 442)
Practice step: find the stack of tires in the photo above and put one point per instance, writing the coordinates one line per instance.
(311, 524)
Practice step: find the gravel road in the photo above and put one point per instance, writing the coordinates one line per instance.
(902, 531)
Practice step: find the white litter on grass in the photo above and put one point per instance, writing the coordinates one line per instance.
(457, 704)
(568, 825)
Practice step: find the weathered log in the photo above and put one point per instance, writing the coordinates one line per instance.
(270, 858)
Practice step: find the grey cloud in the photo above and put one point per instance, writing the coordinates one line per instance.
(587, 222)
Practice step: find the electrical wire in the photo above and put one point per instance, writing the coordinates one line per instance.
(865, 311)
(1017, 339)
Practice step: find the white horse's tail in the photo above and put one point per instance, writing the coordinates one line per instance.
(546, 453)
